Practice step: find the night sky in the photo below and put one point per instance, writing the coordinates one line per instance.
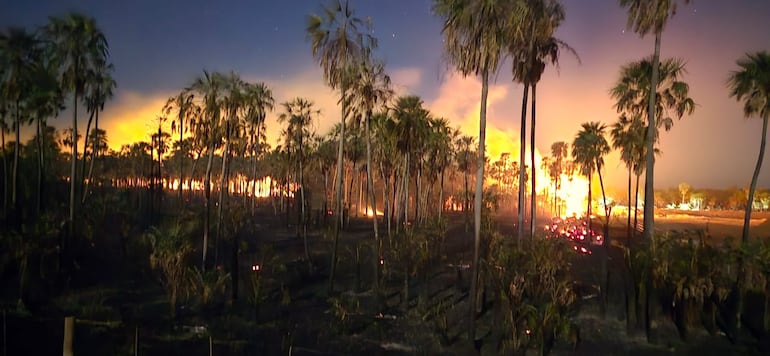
(159, 47)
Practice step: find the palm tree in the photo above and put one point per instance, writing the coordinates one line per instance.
(258, 101)
(19, 50)
(411, 131)
(559, 152)
(339, 39)
(354, 154)
(632, 91)
(532, 56)
(440, 155)
(632, 95)
(751, 84)
(45, 100)
(78, 46)
(298, 116)
(588, 150)
(184, 107)
(99, 89)
(325, 157)
(475, 33)
(232, 104)
(206, 128)
(372, 89)
(384, 128)
(464, 161)
(645, 16)
(628, 137)
(99, 145)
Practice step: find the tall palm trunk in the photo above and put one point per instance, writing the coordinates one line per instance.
(636, 206)
(533, 193)
(373, 202)
(326, 195)
(303, 219)
(181, 164)
(386, 199)
(467, 205)
(15, 178)
(441, 195)
(753, 186)
(628, 214)
(522, 165)
(350, 193)
(398, 201)
(340, 180)
(192, 175)
(223, 190)
(477, 202)
(207, 203)
(94, 156)
(605, 245)
(85, 149)
(406, 188)
(649, 186)
(588, 206)
(40, 165)
(418, 191)
(747, 221)
(73, 168)
(360, 193)
(254, 181)
(5, 173)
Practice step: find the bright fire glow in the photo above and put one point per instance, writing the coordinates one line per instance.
(572, 195)
(368, 212)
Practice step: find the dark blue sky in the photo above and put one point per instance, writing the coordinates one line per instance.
(158, 47)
